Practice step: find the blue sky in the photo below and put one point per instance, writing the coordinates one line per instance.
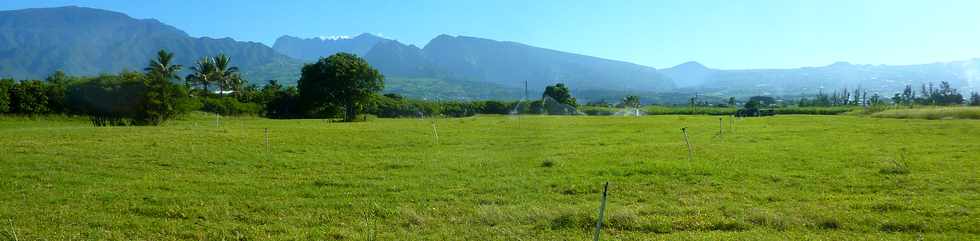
(720, 34)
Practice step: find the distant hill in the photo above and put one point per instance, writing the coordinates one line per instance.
(312, 49)
(85, 41)
(690, 74)
(884, 79)
(469, 60)
(510, 64)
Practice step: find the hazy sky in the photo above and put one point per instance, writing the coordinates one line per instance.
(719, 34)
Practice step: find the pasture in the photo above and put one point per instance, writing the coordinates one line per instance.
(492, 178)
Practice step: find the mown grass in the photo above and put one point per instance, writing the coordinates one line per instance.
(931, 113)
(683, 110)
(686, 110)
(491, 178)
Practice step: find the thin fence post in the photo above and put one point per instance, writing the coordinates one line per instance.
(721, 126)
(602, 210)
(268, 146)
(690, 149)
(733, 125)
(435, 132)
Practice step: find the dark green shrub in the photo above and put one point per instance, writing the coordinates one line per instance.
(29, 98)
(6, 85)
(108, 99)
(496, 107)
(230, 106)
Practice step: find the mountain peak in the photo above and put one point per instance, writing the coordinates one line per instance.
(688, 74)
(840, 64)
(690, 65)
(314, 48)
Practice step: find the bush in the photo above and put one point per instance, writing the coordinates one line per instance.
(29, 97)
(108, 99)
(460, 109)
(496, 107)
(5, 87)
(597, 110)
(230, 106)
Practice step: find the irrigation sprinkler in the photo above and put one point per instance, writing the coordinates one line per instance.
(602, 210)
(690, 149)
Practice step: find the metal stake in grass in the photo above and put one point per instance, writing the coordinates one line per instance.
(733, 124)
(690, 149)
(435, 132)
(268, 147)
(602, 210)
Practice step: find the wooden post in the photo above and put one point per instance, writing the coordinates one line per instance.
(733, 124)
(721, 127)
(690, 149)
(602, 210)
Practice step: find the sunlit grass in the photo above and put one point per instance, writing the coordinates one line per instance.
(932, 113)
(491, 178)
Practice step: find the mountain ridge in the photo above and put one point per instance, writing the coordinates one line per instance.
(88, 41)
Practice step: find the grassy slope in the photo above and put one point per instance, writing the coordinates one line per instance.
(777, 178)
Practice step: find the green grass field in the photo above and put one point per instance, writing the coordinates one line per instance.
(931, 113)
(492, 178)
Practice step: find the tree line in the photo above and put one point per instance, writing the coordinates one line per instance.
(339, 86)
(929, 94)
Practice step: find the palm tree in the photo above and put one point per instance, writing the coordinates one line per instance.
(160, 97)
(203, 73)
(226, 75)
(163, 66)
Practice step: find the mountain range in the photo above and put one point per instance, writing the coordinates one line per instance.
(87, 41)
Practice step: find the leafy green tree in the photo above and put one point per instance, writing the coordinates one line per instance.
(631, 101)
(974, 99)
(340, 81)
(109, 99)
(163, 98)
(55, 88)
(731, 101)
(6, 85)
(560, 93)
(762, 101)
(284, 104)
(29, 97)
(270, 91)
